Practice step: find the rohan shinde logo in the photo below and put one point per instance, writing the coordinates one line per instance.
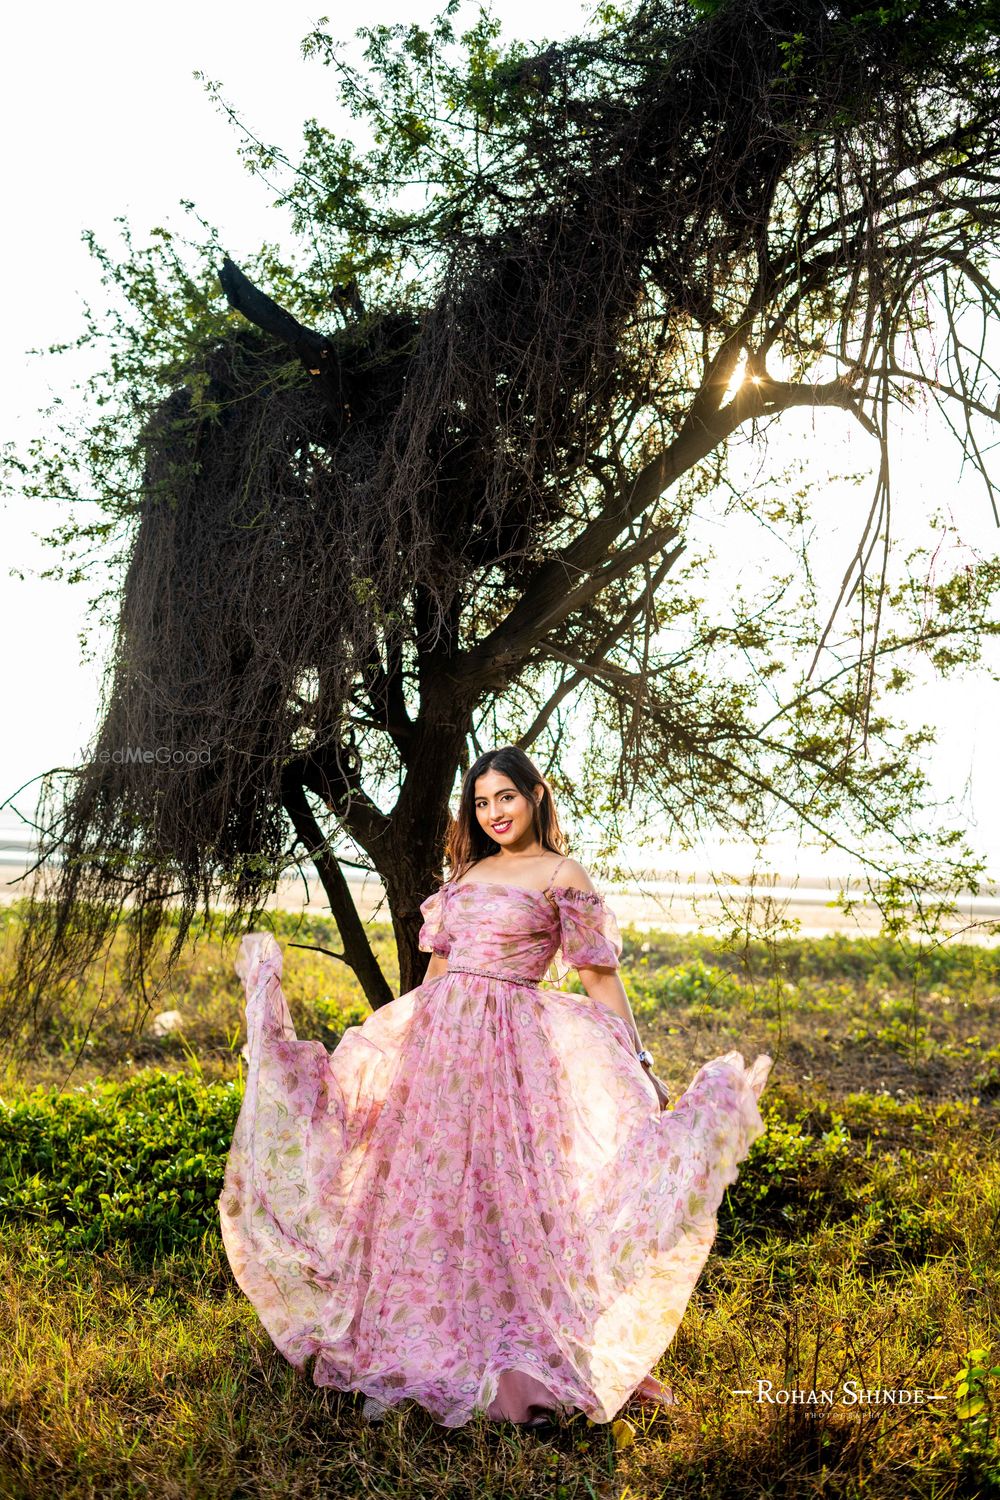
(848, 1393)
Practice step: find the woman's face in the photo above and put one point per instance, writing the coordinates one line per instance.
(504, 813)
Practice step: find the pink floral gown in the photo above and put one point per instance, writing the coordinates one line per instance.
(475, 1200)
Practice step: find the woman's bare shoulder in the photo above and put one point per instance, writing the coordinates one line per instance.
(572, 873)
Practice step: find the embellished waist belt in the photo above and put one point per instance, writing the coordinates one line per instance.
(491, 974)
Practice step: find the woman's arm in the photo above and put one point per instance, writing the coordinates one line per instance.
(437, 966)
(605, 985)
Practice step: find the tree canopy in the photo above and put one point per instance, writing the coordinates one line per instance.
(427, 487)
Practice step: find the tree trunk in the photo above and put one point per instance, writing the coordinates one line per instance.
(405, 848)
(410, 862)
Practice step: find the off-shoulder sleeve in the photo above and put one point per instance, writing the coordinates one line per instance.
(589, 929)
(433, 938)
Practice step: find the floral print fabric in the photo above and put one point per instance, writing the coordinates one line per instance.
(482, 924)
(474, 1200)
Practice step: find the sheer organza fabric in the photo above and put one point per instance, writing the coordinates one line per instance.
(474, 1200)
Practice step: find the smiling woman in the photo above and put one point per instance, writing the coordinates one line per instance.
(478, 1200)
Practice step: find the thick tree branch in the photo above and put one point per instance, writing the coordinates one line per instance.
(258, 308)
(385, 695)
(781, 395)
(546, 602)
(334, 775)
(608, 640)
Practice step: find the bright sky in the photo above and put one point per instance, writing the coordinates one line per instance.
(110, 121)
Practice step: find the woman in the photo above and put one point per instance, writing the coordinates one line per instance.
(476, 1200)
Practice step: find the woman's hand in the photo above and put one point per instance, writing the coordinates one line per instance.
(661, 1089)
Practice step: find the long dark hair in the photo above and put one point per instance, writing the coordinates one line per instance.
(468, 841)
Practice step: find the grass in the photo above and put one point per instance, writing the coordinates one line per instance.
(860, 1243)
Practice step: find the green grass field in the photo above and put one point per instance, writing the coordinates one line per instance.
(861, 1243)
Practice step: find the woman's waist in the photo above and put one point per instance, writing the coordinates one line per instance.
(524, 968)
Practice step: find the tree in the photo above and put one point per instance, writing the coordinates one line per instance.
(432, 485)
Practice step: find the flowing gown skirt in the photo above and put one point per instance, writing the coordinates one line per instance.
(474, 1200)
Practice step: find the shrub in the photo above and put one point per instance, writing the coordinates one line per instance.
(138, 1163)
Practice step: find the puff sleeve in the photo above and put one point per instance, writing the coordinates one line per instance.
(589, 935)
(433, 936)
